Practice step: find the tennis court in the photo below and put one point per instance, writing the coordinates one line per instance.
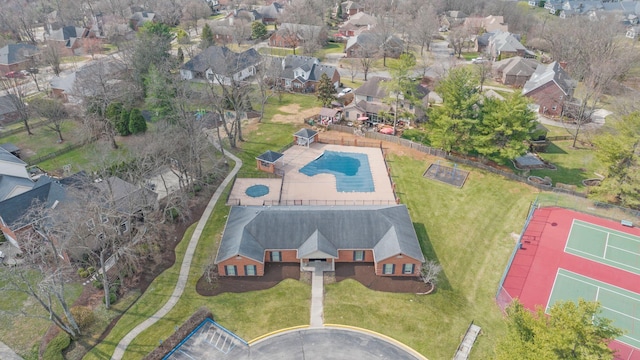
(604, 245)
(620, 305)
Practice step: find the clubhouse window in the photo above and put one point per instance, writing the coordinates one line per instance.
(387, 269)
(358, 255)
(230, 270)
(276, 256)
(250, 270)
(407, 269)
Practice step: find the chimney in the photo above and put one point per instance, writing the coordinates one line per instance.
(563, 65)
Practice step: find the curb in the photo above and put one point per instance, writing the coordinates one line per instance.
(261, 337)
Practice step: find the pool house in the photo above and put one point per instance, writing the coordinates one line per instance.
(268, 160)
(305, 137)
(382, 235)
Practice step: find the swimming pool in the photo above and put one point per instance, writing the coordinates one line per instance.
(351, 170)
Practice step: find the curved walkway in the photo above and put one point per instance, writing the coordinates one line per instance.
(184, 269)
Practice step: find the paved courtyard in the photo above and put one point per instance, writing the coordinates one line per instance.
(300, 189)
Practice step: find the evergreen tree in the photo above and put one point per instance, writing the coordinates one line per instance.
(206, 37)
(113, 111)
(137, 124)
(160, 91)
(401, 88)
(121, 124)
(618, 148)
(504, 127)
(325, 90)
(451, 124)
(180, 56)
(152, 48)
(339, 11)
(570, 331)
(258, 30)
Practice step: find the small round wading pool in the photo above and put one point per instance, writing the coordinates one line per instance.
(256, 191)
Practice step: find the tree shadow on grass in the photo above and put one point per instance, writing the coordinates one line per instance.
(430, 254)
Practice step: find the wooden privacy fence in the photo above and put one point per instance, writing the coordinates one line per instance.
(443, 154)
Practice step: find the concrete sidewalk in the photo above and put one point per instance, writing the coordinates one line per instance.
(6, 353)
(184, 269)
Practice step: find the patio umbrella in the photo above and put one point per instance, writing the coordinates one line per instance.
(363, 118)
(386, 130)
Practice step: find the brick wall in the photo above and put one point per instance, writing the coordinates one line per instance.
(239, 262)
(398, 262)
(286, 256)
(347, 256)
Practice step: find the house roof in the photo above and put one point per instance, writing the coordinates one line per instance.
(305, 133)
(221, 60)
(7, 104)
(99, 68)
(348, 5)
(45, 191)
(141, 17)
(546, 73)
(126, 197)
(372, 88)
(6, 156)
(308, 64)
(270, 11)
(516, 66)
(250, 230)
(10, 147)
(505, 42)
(361, 19)
(303, 31)
(66, 33)
(370, 40)
(11, 186)
(270, 156)
(329, 112)
(16, 53)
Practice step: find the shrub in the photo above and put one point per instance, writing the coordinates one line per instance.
(56, 346)
(182, 36)
(137, 124)
(84, 316)
(98, 284)
(91, 269)
(122, 123)
(83, 273)
(112, 298)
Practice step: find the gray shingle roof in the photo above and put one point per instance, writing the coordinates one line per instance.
(517, 66)
(308, 64)
(546, 73)
(250, 230)
(306, 133)
(9, 157)
(12, 185)
(66, 33)
(270, 156)
(222, 60)
(373, 88)
(7, 104)
(16, 53)
(127, 197)
(45, 191)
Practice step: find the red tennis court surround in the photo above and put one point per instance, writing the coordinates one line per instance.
(533, 271)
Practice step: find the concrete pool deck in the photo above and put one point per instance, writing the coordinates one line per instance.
(300, 189)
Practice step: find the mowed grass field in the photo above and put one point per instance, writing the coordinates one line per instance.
(468, 231)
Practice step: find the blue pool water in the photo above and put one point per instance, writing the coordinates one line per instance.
(257, 190)
(351, 170)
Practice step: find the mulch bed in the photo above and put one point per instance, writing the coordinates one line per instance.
(276, 272)
(273, 274)
(365, 274)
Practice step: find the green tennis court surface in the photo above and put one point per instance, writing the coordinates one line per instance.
(604, 245)
(620, 305)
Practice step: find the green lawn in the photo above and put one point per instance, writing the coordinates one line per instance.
(277, 51)
(45, 141)
(573, 164)
(468, 231)
(21, 333)
(88, 157)
(330, 48)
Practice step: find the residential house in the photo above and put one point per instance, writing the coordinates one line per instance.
(84, 82)
(515, 71)
(72, 40)
(580, 8)
(372, 44)
(382, 235)
(248, 15)
(504, 45)
(269, 14)
(293, 35)
(351, 8)
(16, 57)
(8, 111)
(11, 148)
(222, 35)
(14, 210)
(550, 87)
(220, 64)
(302, 73)
(491, 23)
(554, 6)
(125, 197)
(372, 101)
(357, 23)
(139, 18)
(455, 18)
(14, 177)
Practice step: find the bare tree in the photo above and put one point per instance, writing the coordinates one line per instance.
(367, 53)
(483, 70)
(241, 30)
(19, 18)
(52, 110)
(429, 272)
(169, 11)
(17, 98)
(193, 11)
(457, 39)
(423, 27)
(268, 81)
(52, 57)
(352, 67)
(44, 272)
